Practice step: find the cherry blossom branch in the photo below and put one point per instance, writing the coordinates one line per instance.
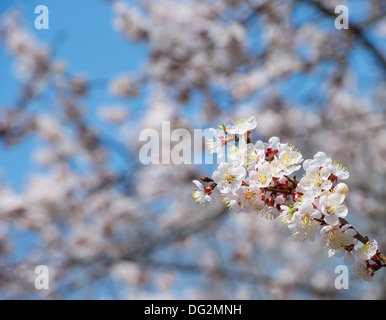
(313, 204)
(364, 240)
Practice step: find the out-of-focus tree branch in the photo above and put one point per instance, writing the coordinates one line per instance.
(358, 31)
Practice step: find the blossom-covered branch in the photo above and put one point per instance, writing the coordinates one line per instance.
(256, 178)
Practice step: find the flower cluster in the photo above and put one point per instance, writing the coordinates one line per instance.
(257, 178)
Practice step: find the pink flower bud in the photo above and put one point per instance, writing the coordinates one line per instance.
(280, 199)
(283, 180)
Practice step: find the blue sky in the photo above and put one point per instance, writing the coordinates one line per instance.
(88, 43)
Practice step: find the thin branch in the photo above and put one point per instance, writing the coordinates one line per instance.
(278, 190)
(363, 239)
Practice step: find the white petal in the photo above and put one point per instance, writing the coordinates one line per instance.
(331, 219)
(198, 185)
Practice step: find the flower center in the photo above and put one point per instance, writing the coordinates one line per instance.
(229, 178)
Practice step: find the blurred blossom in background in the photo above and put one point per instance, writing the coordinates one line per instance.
(73, 99)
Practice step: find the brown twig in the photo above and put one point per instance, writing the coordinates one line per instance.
(278, 190)
(364, 240)
(293, 181)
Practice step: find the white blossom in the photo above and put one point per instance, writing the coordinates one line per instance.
(228, 177)
(242, 126)
(200, 195)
